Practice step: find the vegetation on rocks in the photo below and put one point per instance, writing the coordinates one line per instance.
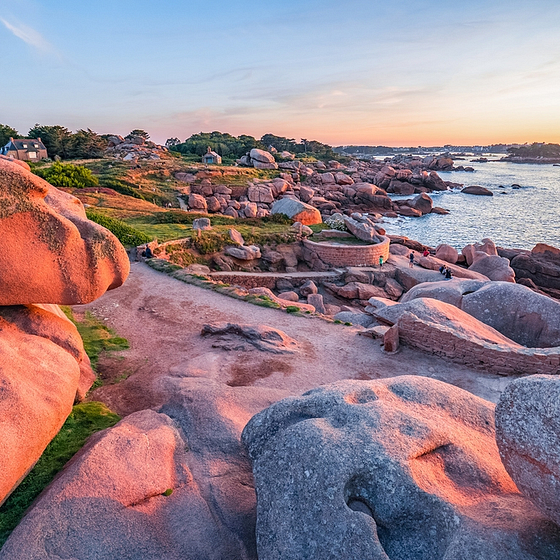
(85, 419)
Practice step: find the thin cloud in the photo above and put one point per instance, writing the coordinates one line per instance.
(29, 36)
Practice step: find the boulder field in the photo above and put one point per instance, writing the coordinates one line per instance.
(52, 254)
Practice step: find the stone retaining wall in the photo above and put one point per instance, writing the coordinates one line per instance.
(333, 254)
(494, 358)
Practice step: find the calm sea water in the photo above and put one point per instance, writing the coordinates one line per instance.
(516, 218)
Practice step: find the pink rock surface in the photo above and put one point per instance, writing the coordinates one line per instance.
(51, 252)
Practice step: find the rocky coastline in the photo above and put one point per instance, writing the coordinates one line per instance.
(356, 465)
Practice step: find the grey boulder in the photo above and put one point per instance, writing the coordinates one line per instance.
(404, 468)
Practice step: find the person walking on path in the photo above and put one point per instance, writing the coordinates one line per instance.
(411, 260)
(380, 261)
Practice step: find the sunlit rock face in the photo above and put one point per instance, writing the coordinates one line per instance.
(405, 468)
(51, 253)
(42, 368)
(528, 436)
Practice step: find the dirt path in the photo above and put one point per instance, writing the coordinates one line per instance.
(162, 319)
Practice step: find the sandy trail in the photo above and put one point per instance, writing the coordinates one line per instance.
(162, 319)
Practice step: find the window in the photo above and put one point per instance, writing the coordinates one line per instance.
(24, 145)
(32, 155)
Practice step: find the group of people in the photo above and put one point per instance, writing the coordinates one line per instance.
(446, 272)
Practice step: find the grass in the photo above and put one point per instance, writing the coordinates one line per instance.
(97, 337)
(85, 419)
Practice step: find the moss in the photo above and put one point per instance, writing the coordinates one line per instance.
(84, 420)
(292, 309)
(97, 337)
(168, 492)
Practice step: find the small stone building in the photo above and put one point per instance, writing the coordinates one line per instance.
(211, 158)
(26, 149)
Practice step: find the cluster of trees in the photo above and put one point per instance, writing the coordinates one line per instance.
(536, 150)
(61, 142)
(234, 147)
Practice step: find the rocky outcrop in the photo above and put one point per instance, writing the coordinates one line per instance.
(175, 484)
(43, 368)
(528, 318)
(401, 468)
(541, 265)
(297, 211)
(528, 437)
(134, 148)
(51, 252)
(494, 267)
(447, 291)
(447, 253)
(262, 337)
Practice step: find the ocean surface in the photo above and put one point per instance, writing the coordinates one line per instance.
(513, 217)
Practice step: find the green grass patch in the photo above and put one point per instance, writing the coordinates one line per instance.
(97, 337)
(293, 309)
(126, 234)
(85, 419)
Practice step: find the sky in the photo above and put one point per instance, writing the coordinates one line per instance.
(397, 73)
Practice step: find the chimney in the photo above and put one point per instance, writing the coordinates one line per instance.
(39, 139)
(11, 139)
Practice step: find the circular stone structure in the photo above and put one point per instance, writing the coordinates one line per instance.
(340, 254)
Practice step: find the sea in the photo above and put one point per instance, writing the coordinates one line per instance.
(524, 211)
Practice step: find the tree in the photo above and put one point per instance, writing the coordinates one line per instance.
(7, 132)
(55, 138)
(86, 144)
(138, 132)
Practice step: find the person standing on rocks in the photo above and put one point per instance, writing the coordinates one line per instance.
(411, 260)
(380, 261)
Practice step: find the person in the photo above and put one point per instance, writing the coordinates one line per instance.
(411, 260)
(380, 260)
(448, 274)
(442, 269)
(149, 254)
(426, 253)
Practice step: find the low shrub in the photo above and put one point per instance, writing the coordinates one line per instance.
(67, 175)
(123, 188)
(127, 235)
(292, 309)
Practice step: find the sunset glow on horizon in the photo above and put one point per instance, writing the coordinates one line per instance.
(364, 72)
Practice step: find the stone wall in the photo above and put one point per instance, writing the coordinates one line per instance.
(494, 358)
(333, 254)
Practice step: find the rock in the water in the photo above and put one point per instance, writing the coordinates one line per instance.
(297, 211)
(262, 337)
(447, 253)
(41, 361)
(528, 437)
(494, 267)
(423, 203)
(476, 189)
(51, 253)
(402, 468)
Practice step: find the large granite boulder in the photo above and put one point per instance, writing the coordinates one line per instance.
(494, 267)
(403, 468)
(362, 230)
(173, 485)
(528, 437)
(528, 318)
(541, 265)
(297, 211)
(447, 253)
(448, 291)
(42, 363)
(51, 253)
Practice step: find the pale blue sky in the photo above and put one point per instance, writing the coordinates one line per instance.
(399, 72)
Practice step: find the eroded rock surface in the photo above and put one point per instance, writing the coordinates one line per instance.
(403, 468)
(51, 252)
(528, 436)
(42, 360)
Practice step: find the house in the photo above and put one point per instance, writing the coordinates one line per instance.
(27, 149)
(211, 157)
